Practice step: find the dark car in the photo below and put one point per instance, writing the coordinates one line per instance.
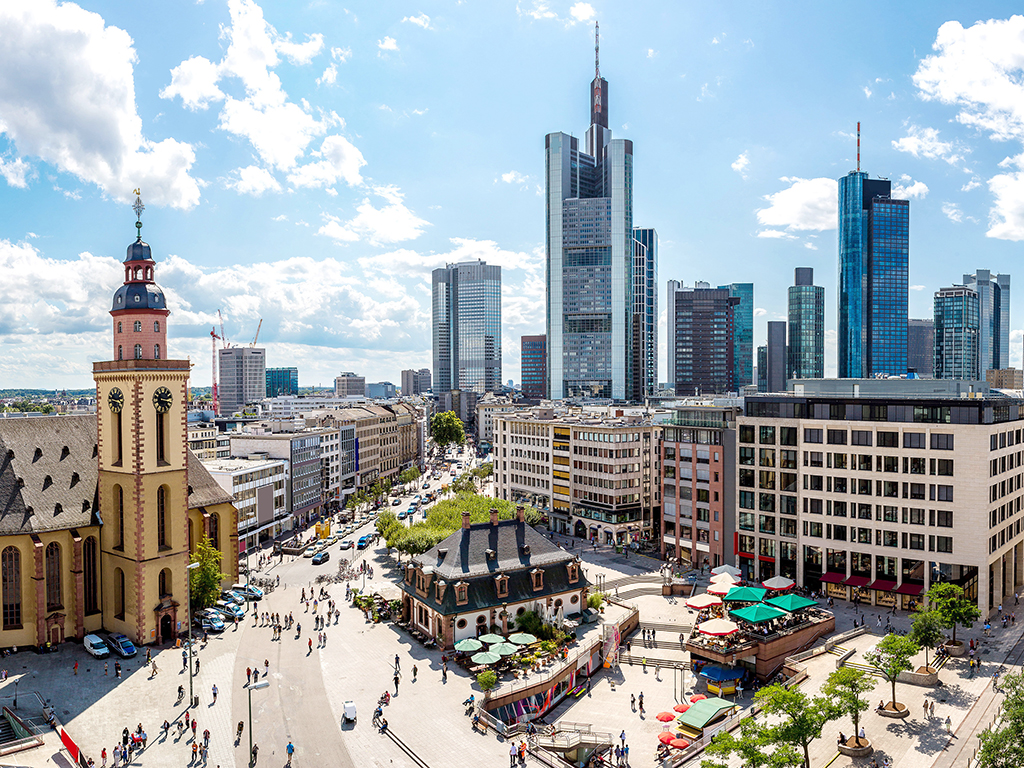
(321, 557)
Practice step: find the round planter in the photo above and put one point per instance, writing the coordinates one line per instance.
(900, 714)
(955, 649)
(851, 751)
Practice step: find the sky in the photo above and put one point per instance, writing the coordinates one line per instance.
(310, 163)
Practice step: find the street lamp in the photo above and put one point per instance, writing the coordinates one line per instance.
(190, 567)
(254, 687)
(16, 681)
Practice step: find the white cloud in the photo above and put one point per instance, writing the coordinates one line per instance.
(775, 234)
(811, 246)
(953, 212)
(651, 53)
(330, 75)
(974, 183)
(740, 164)
(339, 160)
(925, 142)
(917, 287)
(387, 44)
(406, 261)
(253, 180)
(514, 177)
(422, 20)
(539, 10)
(1006, 217)
(195, 82)
(73, 105)
(714, 41)
(582, 11)
(867, 92)
(807, 204)
(300, 53)
(391, 223)
(282, 217)
(14, 172)
(341, 55)
(908, 189)
(760, 311)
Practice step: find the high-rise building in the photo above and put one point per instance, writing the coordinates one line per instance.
(806, 346)
(282, 381)
(415, 382)
(762, 368)
(873, 262)
(467, 327)
(921, 347)
(1005, 378)
(645, 313)
(743, 336)
(777, 359)
(349, 384)
(242, 374)
(993, 318)
(534, 363)
(700, 338)
(590, 254)
(381, 390)
(956, 333)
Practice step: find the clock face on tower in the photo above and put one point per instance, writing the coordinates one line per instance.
(162, 400)
(115, 400)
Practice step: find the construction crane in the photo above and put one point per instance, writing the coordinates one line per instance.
(223, 336)
(213, 343)
(256, 337)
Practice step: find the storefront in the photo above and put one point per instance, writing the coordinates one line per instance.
(885, 596)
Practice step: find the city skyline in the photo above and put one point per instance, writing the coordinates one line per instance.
(325, 213)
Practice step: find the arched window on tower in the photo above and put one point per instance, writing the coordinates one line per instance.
(138, 273)
(118, 517)
(149, 273)
(215, 530)
(10, 567)
(138, 326)
(54, 598)
(120, 353)
(138, 351)
(156, 351)
(161, 517)
(91, 586)
(118, 327)
(118, 593)
(165, 583)
(156, 326)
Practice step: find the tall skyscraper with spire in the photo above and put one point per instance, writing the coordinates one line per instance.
(590, 260)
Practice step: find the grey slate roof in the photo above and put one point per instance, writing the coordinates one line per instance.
(48, 473)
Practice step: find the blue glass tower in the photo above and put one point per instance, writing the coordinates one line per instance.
(957, 333)
(743, 338)
(874, 252)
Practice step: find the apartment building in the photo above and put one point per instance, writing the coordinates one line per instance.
(258, 487)
(596, 475)
(301, 452)
(202, 439)
(698, 460)
(486, 408)
(330, 463)
(880, 496)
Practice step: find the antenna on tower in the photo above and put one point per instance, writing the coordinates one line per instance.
(597, 50)
(858, 146)
(138, 208)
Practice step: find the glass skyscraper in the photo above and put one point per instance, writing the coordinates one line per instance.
(806, 347)
(743, 339)
(590, 254)
(956, 333)
(282, 381)
(994, 319)
(701, 326)
(467, 327)
(873, 262)
(921, 347)
(645, 312)
(534, 362)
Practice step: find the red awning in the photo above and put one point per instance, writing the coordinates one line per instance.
(832, 578)
(749, 555)
(910, 589)
(858, 581)
(882, 585)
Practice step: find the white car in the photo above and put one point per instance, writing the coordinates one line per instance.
(95, 646)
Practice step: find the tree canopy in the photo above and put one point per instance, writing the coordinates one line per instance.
(927, 631)
(955, 608)
(446, 428)
(845, 687)
(754, 746)
(891, 656)
(1003, 746)
(205, 580)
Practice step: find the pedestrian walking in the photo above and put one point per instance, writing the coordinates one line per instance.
(622, 736)
(266, 667)
(195, 724)
(398, 666)
(414, 673)
(76, 667)
(310, 646)
(513, 754)
(206, 737)
(931, 711)
(248, 675)
(396, 683)
(878, 620)
(195, 751)
(215, 694)
(926, 710)
(105, 663)
(291, 750)
(103, 758)
(949, 724)
(632, 702)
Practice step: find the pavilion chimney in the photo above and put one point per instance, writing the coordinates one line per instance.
(521, 514)
(494, 515)
(465, 521)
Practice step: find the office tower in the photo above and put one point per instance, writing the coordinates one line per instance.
(534, 363)
(921, 347)
(777, 359)
(243, 378)
(993, 318)
(467, 327)
(873, 261)
(956, 333)
(1005, 378)
(590, 251)
(743, 340)
(381, 390)
(282, 381)
(806, 346)
(349, 384)
(762, 368)
(700, 339)
(645, 313)
(415, 382)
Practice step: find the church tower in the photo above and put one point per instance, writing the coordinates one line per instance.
(141, 398)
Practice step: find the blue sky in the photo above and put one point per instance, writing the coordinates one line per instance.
(310, 163)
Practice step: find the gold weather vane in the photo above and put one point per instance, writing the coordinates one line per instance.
(138, 208)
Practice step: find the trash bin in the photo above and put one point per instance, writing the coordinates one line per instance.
(195, 701)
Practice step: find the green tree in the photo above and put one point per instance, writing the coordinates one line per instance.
(753, 746)
(487, 680)
(955, 608)
(1003, 747)
(205, 580)
(844, 687)
(464, 484)
(891, 656)
(794, 718)
(927, 631)
(446, 428)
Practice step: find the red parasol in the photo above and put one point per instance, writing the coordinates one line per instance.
(679, 743)
(697, 697)
(681, 707)
(666, 736)
(666, 717)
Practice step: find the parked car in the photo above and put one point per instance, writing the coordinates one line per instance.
(210, 621)
(121, 645)
(95, 646)
(347, 544)
(249, 591)
(233, 597)
(396, 503)
(364, 542)
(229, 609)
(321, 557)
(426, 486)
